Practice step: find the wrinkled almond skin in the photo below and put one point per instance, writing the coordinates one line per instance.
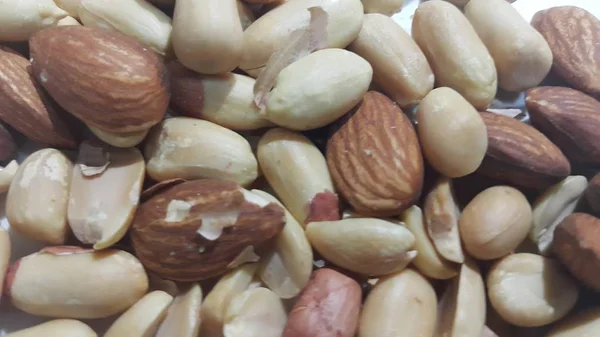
(109, 80)
(570, 119)
(329, 306)
(26, 107)
(7, 144)
(375, 159)
(573, 35)
(521, 155)
(169, 245)
(577, 246)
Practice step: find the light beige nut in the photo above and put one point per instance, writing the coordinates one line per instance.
(73, 282)
(441, 220)
(403, 304)
(36, 204)
(529, 290)
(297, 171)
(7, 175)
(215, 305)
(102, 206)
(184, 317)
(271, 31)
(70, 6)
(458, 57)
(143, 318)
(190, 148)
(452, 134)
(5, 249)
(428, 261)
(318, 89)
(584, 323)
(68, 21)
(387, 7)
(495, 222)
(57, 327)
(207, 35)
(521, 54)
(20, 19)
(462, 309)
(399, 66)
(255, 312)
(552, 207)
(158, 283)
(286, 270)
(247, 17)
(124, 140)
(367, 246)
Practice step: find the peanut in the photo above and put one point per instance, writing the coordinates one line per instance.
(58, 327)
(143, 318)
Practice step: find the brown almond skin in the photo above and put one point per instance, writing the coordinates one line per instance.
(577, 246)
(26, 107)
(171, 249)
(570, 119)
(573, 35)
(108, 80)
(592, 193)
(7, 144)
(328, 306)
(521, 155)
(375, 159)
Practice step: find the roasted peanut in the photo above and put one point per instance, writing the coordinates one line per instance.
(56, 328)
(143, 318)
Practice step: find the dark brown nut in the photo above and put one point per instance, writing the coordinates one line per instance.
(7, 144)
(592, 193)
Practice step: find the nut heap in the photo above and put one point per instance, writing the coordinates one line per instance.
(299, 168)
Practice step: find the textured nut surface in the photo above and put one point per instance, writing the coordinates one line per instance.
(19, 20)
(576, 246)
(329, 306)
(458, 57)
(521, 155)
(26, 107)
(406, 77)
(227, 99)
(195, 230)
(530, 290)
(521, 54)
(286, 269)
(441, 220)
(452, 134)
(37, 201)
(367, 246)
(109, 80)
(297, 171)
(89, 285)
(57, 327)
(592, 193)
(138, 19)
(375, 159)
(190, 148)
(574, 38)
(584, 323)
(5, 249)
(7, 174)
(271, 31)
(462, 309)
(101, 207)
(143, 318)
(215, 305)
(569, 118)
(552, 207)
(183, 317)
(403, 304)
(256, 312)
(318, 89)
(428, 261)
(387, 7)
(495, 222)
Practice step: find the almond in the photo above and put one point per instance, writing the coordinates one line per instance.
(26, 107)
(521, 155)
(573, 35)
(104, 78)
(570, 119)
(7, 144)
(195, 230)
(592, 193)
(375, 159)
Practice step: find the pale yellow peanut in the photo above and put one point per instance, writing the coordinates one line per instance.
(585, 323)
(7, 174)
(56, 328)
(68, 21)
(123, 140)
(21, 19)
(256, 312)
(183, 317)
(143, 318)
(387, 7)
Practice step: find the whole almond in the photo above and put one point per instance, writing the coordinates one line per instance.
(329, 306)
(183, 317)
(57, 327)
(569, 118)
(197, 229)
(521, 155)
(18, 21)
(458, 57)
(143, 318)
(26, 107)
(108, 80)
(375, 159)
(574, 38)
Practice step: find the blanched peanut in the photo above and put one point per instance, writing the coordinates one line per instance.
(585, 323)
(20, 19)
(256, 312)
(143, 318)
(183, 318)
(57, 328)
(387, 7)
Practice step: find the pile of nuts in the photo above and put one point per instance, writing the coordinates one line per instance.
(300, 168)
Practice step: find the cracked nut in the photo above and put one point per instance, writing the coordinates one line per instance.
(256, 312)
(183, 317)
(143, 318)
